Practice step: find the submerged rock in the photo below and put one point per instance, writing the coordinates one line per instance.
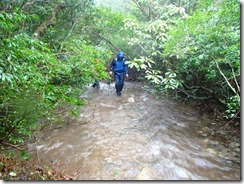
(131, 100)
(147, 174)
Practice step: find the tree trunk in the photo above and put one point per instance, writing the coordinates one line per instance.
(37, 33)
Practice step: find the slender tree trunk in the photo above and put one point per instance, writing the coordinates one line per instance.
(52, 20)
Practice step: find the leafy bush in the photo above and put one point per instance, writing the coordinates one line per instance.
(34, 80)
(205, 51)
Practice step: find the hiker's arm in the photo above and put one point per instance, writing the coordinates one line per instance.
(126, 70)
(111, 67)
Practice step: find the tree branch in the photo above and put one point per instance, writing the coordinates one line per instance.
(108, 41)
(197, 87)
(237, 85)
(26, 3)
(13, 146)
(223, 75)
(48, 22)
(11, 130)
(139, 5)
(227, 81)
(195, 97)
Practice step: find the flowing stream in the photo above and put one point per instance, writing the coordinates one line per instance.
(134, 137)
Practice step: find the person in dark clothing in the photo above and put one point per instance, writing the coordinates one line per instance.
(96, 84)
(120, 70)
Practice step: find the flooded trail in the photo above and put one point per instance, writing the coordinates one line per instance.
(135, 137)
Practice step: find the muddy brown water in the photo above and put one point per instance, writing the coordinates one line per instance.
(134, 137)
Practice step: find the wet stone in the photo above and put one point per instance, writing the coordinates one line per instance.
(131, 100)
(147, 174)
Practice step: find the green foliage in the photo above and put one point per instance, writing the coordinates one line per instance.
(170, 82)
(84, 63)
(104, 28)
(198, 53)
(233, 105)
(205, 49)
(69, 21)
(148, 38)
(25, 156)
(34, 80)
(26, 67)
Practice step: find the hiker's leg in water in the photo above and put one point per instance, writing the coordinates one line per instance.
(97, 84)
(116, 79)
(119, 83)
(122, 77)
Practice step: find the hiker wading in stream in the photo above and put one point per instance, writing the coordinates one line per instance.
(96, 83)
(120, 70)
